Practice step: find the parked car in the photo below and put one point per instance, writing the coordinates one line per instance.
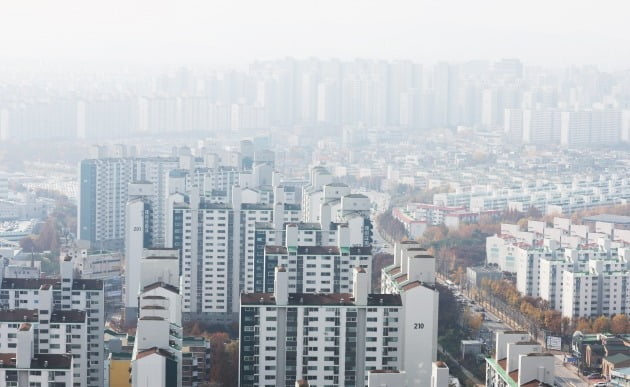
(601, 384)
(594, 376)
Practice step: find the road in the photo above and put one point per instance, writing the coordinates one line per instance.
(468, 374)
(380, 202)
(492, 323)
(564, 375)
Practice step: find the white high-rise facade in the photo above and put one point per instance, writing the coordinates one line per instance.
(412, 276)
(22, 365)
(217, 249)
(68, 314)
(107, 184)
(157, 352)
(580, 272)
(325, 339)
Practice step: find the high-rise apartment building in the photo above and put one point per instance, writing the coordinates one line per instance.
(103, 196)
(324, 339)
(23, 364)
(412, 276)
(290, 332)
(590, 127)
(216, 241)
(580, 272)
(157, 358)
(107, 184)
(315, 267)
(67, 315)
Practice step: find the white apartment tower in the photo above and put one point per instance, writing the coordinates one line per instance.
(313, 267)
(412, 276)
(107, 184)
(217, 244)
(22, 365)
(157, 353)
(69, 317)
(580, 272)
(324, 339)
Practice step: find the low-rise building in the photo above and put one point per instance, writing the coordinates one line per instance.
(477, 274)
(620, 377)
(518, 362)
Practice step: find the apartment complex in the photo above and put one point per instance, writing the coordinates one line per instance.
(549, 197)
(325, 339)
(26, 366)
(315, 263)
(416, 217)
(569, 128)
(106, 184)
(233, 244)
(579, 271)
(355, 338)
(216, 241)
(65, 318)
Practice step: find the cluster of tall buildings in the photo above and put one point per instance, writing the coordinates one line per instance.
(354, 337)
(570, 107)
(221, 238)
(572, 128)
(580, 270)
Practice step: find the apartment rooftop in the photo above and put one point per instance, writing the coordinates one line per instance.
(152, 351)
(38, 283)
(29, 283)
(393, 270)
(415, 284)
(311, 299)
(19, 315)
(67, 316)
(255, 206)
(161, 285)
(275, 249)
(360, 250)
(39, 361)
(87, 284)
(318, 250)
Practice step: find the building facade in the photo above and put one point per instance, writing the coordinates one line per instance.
(324, 339)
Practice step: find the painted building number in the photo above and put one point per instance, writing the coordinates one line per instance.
(418, 325)
(137, 228)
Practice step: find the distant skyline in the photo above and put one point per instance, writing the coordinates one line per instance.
(157, 32)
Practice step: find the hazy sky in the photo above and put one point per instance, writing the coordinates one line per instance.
(555, 32)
